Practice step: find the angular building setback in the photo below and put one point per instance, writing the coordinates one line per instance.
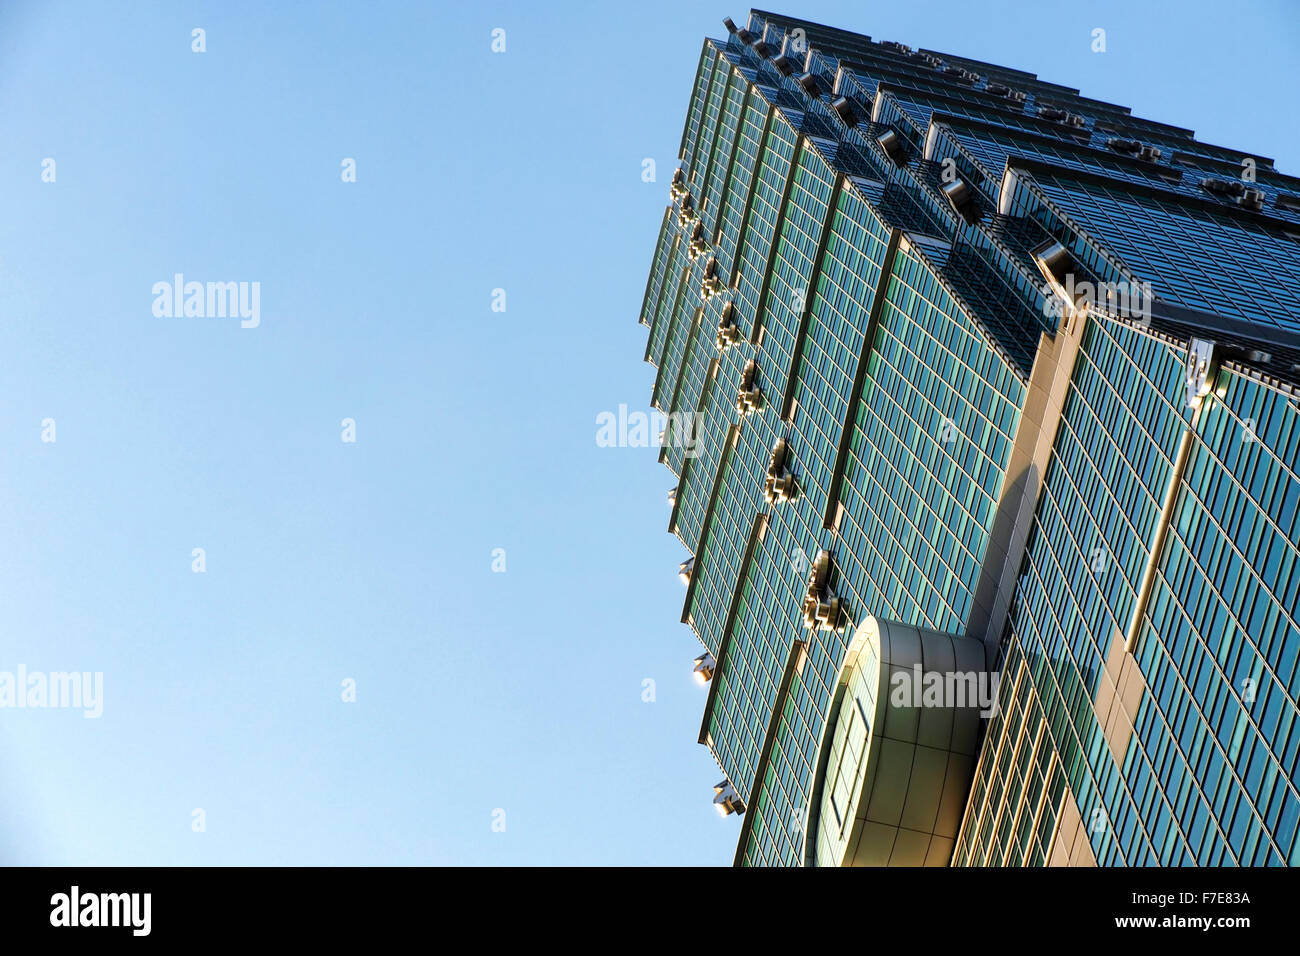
(989, 379)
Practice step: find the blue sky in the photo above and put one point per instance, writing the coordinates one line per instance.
(475, 430)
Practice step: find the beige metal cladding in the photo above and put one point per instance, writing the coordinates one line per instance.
(896, 757)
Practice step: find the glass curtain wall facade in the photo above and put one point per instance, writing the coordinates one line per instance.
(967, 353)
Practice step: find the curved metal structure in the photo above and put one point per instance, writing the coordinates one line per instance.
(898, 751)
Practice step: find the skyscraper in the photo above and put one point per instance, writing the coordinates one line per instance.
(984, 410)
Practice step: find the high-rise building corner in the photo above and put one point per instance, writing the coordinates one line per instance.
(983, 405)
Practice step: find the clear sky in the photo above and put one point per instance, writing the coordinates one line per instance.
(372, 560)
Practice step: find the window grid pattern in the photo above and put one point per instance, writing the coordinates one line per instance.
(1218, 733)
(924, 351)
(720, 168)
(742, 174)
(760, 229)
(727, 114)
(931, 438)
(659, 269)
(702, 133)
(1097, 512)
(760, 642)
(790, 282)
(1255, 268)
(695, 112)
